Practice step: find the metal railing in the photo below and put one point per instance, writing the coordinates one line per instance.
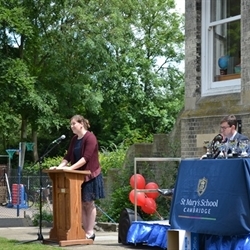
(31, 186)
(148, 159)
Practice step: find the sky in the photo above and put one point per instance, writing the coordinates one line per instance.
(180, 5)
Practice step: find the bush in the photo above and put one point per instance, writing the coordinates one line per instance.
(46, 216)
(164, 176)
(112, 157)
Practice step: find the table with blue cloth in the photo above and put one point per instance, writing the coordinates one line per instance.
(151, 233)
(212, 196)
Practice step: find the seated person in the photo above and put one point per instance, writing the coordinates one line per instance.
(228, 128)
(228, 132)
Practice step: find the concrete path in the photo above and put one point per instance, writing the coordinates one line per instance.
(103, 240)
(20, 229)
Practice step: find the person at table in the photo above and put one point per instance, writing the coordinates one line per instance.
(228, 129)
(228, 132)
(82, 154)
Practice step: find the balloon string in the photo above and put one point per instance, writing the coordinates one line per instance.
(161, 218)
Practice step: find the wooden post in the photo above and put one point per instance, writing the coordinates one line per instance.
(67, 208)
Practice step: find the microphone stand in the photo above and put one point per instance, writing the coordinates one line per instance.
(40, 161)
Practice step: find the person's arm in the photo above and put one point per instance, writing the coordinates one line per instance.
(66, 158)
(90, 146)
(62, 165)
(87, 152)
(78, 164)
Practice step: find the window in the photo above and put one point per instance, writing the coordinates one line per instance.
(221, 21)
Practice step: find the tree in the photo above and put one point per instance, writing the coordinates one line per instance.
(115, 62)
(142, 87)
(18, 81)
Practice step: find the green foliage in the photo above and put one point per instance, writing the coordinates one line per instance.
(46, 216)
(112, 161)
(30, 168)
(119, 201)
(119, 198)
(52, 161)
(161, 173)
(112, 158)
(115, 62)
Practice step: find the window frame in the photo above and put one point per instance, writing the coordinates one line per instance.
(208, 85)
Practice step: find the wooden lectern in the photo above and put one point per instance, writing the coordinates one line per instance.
(67, 208)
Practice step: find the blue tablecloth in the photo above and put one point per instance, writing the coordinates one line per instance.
(151, 233)
(212, 197)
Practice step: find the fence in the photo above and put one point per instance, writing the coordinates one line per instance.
(30, 186)
(156, 171)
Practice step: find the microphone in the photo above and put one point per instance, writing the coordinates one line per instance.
(62, 137)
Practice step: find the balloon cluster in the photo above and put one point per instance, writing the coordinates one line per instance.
(145, 200)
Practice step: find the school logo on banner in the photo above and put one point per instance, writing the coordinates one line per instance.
(202, 185)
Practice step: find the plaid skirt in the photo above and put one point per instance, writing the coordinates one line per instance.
(93, 189)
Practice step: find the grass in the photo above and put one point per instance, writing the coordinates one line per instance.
(17, 245)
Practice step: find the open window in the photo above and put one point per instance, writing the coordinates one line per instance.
(221, 37)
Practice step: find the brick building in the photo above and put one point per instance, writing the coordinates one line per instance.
(215, 30)
(217, 70)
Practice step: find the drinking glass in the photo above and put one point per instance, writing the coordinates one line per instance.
(233, 144)
(207, 145)
(243, 146)
(223, 147)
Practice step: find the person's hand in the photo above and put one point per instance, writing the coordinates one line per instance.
(54, 167)
(57, 167)
(203, 157)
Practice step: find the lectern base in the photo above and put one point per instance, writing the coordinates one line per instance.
(67, 208)
(63, 243)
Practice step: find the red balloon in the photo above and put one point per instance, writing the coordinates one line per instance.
(149, 206)
(140, 181)
(140, 198)
(152, 185)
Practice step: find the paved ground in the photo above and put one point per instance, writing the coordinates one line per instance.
(18, 228)
(103, 240)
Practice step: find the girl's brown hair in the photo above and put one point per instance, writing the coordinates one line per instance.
(82, 120)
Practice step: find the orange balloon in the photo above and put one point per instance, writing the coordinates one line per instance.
(149, 206)
(139, 179)
(140, 197)
(152, 185)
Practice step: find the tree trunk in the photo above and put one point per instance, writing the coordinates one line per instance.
(35, 152)
(23, 140)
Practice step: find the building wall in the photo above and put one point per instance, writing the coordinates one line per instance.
(245, 52)
(201, 117)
